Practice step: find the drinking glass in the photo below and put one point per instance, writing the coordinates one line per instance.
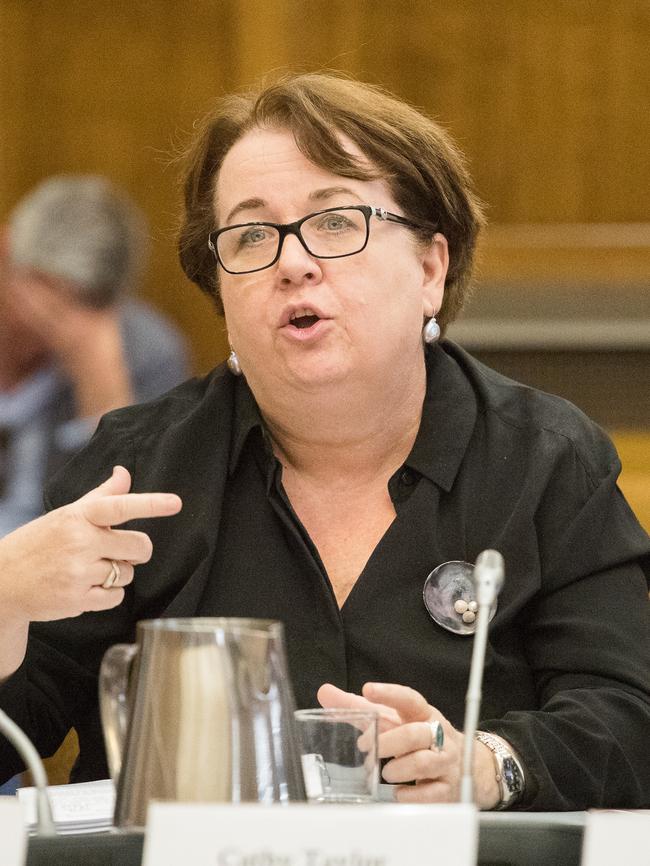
(339, 755)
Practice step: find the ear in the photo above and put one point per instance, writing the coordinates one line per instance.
(435, 262)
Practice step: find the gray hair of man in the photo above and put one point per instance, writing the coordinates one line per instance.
(82, 229)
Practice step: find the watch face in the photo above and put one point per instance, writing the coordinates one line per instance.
(511, 775)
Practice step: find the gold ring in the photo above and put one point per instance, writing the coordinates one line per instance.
(113, 577)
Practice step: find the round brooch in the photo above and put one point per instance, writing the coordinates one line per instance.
(450, 598)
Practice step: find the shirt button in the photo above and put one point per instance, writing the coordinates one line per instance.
(407, 477)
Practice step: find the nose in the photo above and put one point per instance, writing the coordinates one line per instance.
(295, 265)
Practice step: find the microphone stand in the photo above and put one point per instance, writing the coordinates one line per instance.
(25, 748)
(488, 580)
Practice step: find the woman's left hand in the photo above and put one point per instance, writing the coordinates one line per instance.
(406, 737)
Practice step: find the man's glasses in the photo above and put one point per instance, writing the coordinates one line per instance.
(327, 234)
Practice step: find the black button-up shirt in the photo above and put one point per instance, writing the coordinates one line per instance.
(266, 565)
(495, 465)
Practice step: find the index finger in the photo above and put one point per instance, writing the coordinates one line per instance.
(113, 510)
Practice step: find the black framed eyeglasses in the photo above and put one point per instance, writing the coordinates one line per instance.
(327, 234)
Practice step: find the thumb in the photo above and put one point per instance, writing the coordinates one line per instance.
(409, 704)
(330, 696)
(118, 483)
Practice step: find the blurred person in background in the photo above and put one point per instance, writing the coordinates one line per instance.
(73, 343)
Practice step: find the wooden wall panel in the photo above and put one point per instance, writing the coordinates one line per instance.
(550, 101)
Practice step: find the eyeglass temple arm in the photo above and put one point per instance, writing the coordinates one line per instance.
(382, 214)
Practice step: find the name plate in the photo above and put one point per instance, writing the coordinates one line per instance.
(617, 837)
(310, 835)
(13, 834)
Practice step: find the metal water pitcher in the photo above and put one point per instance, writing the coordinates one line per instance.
(199, 710)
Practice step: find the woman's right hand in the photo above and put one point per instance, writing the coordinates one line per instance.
(54, 567)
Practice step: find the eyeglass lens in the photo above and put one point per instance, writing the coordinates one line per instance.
(328, 234)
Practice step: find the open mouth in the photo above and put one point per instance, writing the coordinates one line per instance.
(304, 321)
(303, 318)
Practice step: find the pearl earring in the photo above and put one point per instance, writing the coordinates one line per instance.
(233, 363)
(431, 331)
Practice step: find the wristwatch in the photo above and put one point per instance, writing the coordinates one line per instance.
(509, 772)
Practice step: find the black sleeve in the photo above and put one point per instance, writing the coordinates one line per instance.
(587, 640)
(164, 446)
(55, 689)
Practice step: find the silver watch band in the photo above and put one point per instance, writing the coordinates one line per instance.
(508, 768)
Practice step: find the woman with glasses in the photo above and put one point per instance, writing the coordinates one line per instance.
(348, 457)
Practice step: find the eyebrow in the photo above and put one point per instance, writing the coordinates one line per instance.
(330, 191)
(247, 204)
(317, 195)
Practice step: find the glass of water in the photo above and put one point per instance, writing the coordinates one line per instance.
(339, 755)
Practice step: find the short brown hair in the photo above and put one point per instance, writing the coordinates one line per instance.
(416, 157)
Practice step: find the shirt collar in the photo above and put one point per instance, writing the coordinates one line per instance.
(448, 419)
(247, 419)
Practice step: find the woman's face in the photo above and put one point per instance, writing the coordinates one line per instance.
(369, 307)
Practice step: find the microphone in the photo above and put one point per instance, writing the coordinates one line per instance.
(488, 580)
(25, 748)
